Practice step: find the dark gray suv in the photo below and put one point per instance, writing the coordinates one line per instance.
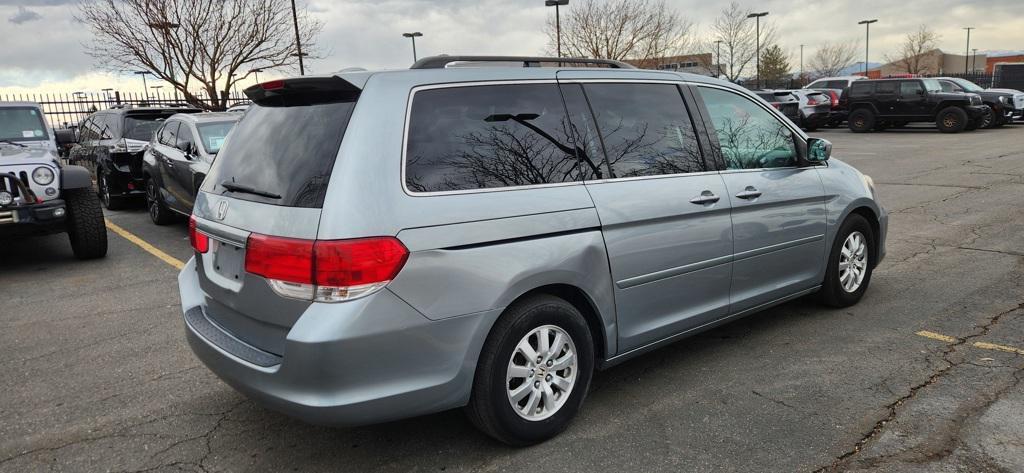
(377, 245)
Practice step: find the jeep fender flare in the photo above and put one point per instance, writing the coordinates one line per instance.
(75, 177)
(950, 103)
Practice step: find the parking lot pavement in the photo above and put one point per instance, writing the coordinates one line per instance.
(923, 375)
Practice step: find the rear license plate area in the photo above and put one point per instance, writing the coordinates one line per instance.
(228, 260)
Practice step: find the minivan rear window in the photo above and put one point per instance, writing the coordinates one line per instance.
(281, 155)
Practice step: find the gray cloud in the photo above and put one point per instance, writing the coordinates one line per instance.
(24, 15)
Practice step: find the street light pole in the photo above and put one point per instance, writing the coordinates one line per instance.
(967, 53)
(257, 73)
(801, 65)
(145, 89)
(974, 60)
(757, 64)
(298, 42)
(413, 37)
(867, 41)
(558, 22)
(718, 44)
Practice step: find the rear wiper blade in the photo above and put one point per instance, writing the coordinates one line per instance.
(14, 143)
(248, 190)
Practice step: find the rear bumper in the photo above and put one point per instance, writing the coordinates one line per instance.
(816, 119)
(34, 219)
(365, 361)
(123, 181)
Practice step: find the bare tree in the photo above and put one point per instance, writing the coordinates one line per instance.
(195, 43)
(739, 41)
(639, 30)
(831, 58)
(912, 56)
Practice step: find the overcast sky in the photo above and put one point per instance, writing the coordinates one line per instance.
(42, 49)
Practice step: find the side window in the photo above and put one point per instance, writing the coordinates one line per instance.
(886, 88)
(169, 134)
(102, 123)
(910, 89)
(750, 136)
(83, 130)
(184, 137)
(489, 136)
(836, 84)
(948, 86)
(646, 129)
(584, 133)
(861, 89)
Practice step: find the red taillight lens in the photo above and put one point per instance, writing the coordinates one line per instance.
(272, 85)
(835, 98)
(345, 263)
(199, 241)
(281, 259)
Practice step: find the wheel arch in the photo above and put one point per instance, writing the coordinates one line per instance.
(871, 216)
(584, 304)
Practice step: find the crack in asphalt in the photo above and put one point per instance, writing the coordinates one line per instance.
(892, 407)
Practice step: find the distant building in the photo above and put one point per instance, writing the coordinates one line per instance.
(692, 63)
(935, 62)
(1002, 57)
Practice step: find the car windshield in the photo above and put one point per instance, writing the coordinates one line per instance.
(22, 124)
(141, 127)
(968, 85)
(932, 85)
(212, 134)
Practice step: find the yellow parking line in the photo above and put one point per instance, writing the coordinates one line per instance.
(993, 346)
(982, 345)
(166, 258)
(936, 336)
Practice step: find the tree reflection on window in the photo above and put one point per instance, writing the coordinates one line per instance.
(750, 137)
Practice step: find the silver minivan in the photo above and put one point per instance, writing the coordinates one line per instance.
(474, 233)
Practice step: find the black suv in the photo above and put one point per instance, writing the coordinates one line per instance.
(884, 103)
(1000, 104)
(110, 144)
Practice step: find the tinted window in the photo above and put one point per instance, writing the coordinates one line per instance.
(22, 124)
(584, 133)
(750, 136)
(836, 84)
(286, 151)
(488, 136)
(169, 134)
(861, 89)
(886, 88)
(910, 89)
(645, 128)
(141, 127)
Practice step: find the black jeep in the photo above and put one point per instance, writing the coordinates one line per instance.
(884, 103)
(111, 143)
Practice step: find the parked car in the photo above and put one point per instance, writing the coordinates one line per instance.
(1001, 106)
(242, 107)
(110, 144)
(837, 112)
(878, 104)
(815, 108)
(1018, 102)
(784, 101)
(38, 195)
(838, 84)
(177, 160)
(371, 246)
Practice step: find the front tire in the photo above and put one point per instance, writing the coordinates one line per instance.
(951, 120)
(533, 373)
(158, 211)
(987, 119)
(849, 263)
(861, 121)
(85, 225)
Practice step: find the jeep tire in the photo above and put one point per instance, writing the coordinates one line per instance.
(861, 121)
(85, 226)
(951, 120)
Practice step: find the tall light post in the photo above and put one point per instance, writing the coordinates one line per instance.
(757, 64)
(145, 89)
(298, 42)
(413, 37)
(974, 60)
(106, 94)
(867, 40)
(156, 92)
(718, 46)
(558, 22)
(801, 64)
(967, 53)
(78, 96)
(257, 73)
(166, 27)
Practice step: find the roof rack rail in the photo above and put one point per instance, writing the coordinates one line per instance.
(442, 61)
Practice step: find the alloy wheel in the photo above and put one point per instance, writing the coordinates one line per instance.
(949, 121)
(151, 200)
(541, 373)
(104, 190)
(853, 262)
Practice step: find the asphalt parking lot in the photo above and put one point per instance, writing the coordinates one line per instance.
(923, 375)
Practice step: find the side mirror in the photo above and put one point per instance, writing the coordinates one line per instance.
(818, 150)
(65, 137)
(187, 147)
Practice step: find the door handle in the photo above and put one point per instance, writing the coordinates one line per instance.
(706, 197)
(749, 193)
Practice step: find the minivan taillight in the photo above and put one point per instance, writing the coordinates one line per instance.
(199, 241)
(325, 270)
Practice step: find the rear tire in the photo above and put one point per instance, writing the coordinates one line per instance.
(85, 225)
(158, 211)
(951, 120)
(861, 121)
(503, 372)
(103, 190)
(849, 272)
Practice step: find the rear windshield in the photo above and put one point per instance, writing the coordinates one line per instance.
(284, 154)
(22, 124)
(142, 127)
